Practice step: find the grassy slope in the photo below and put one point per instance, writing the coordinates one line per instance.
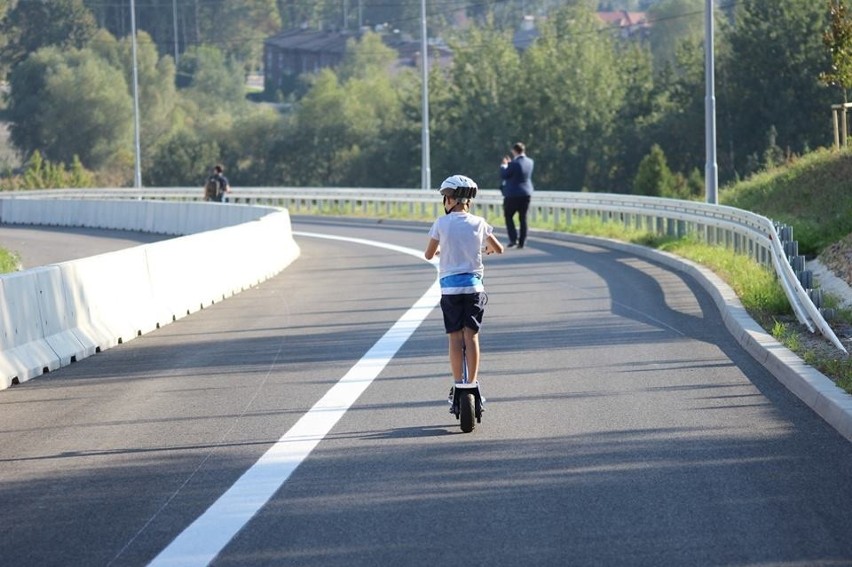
(813, 195)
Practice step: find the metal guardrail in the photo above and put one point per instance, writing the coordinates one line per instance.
(742, 231)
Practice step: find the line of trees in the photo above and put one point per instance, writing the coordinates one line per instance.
(598, 112)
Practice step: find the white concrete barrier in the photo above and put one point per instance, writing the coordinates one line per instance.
(111, 294)
(54, 315)
(58, 317)
(25, 353)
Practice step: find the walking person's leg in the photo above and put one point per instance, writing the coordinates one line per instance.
(509, 210)
(523, 207)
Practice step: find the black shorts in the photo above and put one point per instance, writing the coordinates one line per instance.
(463, 310)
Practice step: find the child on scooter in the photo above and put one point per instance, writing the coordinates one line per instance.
(462, 237)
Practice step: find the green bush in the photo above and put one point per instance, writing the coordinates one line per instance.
(9, 261)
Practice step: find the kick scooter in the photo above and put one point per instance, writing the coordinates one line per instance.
(467, 400)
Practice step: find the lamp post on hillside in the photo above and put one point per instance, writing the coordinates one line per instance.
(425, 173)
(137, 174)
(175, 27)
(711, 181)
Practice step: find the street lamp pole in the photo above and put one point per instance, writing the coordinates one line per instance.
(175, 26)
(137, 176)
(425, 172)
(711, 180)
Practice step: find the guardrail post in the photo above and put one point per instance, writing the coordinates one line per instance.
(791, 248)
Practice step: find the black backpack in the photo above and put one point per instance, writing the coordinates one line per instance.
(212, 189)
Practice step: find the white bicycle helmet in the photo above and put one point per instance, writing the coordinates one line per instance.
(459, 187)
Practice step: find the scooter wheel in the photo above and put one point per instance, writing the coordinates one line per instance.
(467, 412)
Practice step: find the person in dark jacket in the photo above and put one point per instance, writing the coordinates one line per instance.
(517, 187)
(217, 185)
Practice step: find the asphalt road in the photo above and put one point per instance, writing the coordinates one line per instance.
(41, 245)
(624, 426)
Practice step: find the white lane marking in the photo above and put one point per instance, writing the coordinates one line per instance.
(199, 543)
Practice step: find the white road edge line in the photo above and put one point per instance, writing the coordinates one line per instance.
(205, 538)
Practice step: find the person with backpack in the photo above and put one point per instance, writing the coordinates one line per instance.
(217, 185)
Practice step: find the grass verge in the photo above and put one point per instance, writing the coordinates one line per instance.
(9, 262)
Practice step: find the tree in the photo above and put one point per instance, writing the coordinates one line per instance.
(235, 27)
(79, 176)
(211, 79)
(183, 160)
(68, 104)
(298, 13)
(158, 99)
(773, 155)
(638, 117)
(838, 41)
(672, 23)
(366, 58)
(342, 120)
(771, 75)
(4, 36)
(571, 95)
(654, 177)
(42, 174)
(247, 24)
(321, 128)
(249, 148)
(398, 150)
(678, 118)
(29, 26)
(475, 112)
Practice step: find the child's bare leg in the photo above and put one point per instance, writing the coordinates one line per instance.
(456, 354)
(471, 341)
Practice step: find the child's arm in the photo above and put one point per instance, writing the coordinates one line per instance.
(431, 249)
(493, 245)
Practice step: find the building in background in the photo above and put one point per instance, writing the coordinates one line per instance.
(292, 53)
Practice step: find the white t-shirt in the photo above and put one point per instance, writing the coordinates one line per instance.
(461, 237)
